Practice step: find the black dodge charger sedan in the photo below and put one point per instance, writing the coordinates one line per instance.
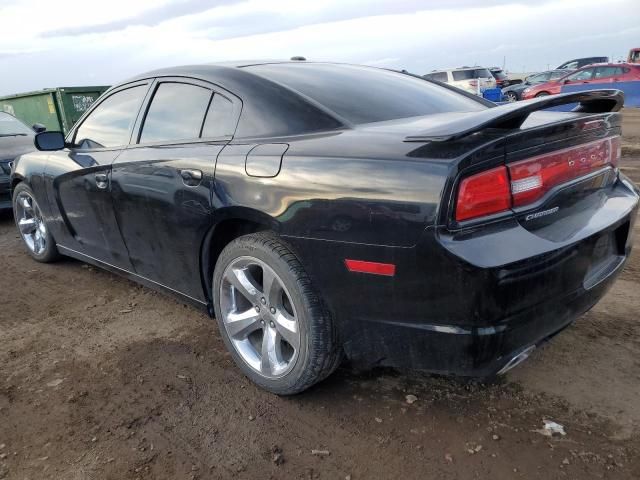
(15, 139)
(323, 210)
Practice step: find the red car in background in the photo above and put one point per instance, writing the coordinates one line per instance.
(598, 73)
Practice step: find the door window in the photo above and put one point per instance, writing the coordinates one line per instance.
(538, 78)
(582, 75)
(176, 113)
(109, 125)
(604, 72)
(220, 121)
(556, 75)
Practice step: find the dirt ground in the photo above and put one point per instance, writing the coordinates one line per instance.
(101, 378)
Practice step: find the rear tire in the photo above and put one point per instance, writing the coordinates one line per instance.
(260, 282)
(31, 225)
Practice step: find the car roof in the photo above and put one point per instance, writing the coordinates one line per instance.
(607, 64)
(457, 69)
(585, 58)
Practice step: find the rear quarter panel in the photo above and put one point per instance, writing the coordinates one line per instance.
(332, 188)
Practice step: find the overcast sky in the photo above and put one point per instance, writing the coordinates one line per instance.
(45, 43)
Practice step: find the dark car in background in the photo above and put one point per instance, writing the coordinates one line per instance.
(15, 139)
(513, 93)
(320, 210)
(581, 62)
(502, 80)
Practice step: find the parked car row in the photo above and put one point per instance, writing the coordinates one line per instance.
(513, 93)
(478, 80)
(471, 79)
(592, 74)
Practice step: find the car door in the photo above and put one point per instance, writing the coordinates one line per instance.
(605, 74)
(78, 178)
(162, 184)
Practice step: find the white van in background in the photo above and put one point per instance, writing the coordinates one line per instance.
(471, 79)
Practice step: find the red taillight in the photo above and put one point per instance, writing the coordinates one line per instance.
(532, 178)
(483, 194)
(526, 181)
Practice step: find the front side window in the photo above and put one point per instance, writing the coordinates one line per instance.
(176, 113)
(109, 125)
(539, 78)
(582, 75)
(556, 75)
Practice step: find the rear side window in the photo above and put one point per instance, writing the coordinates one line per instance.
(111, 121)
(437, 76)
(176, 113)
(471, 74)
(220, 121)
(366, 94)
(603, 72)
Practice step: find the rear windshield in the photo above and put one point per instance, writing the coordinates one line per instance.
(470, 74)
(11, 126)
(499, 74)
(364, 94)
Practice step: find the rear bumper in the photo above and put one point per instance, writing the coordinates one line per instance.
(465, 305)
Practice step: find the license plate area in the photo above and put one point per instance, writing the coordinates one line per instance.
(607, 255)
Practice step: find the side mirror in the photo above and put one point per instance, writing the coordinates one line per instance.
(39, 128)
(49, 141)
(566, 81)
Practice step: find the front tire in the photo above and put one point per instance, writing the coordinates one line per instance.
(542, 94)
(511, 96)
(270, 317)
(31, 225)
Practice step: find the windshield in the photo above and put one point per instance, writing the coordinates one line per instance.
(365, 94)
(10, 125)
(471, 74)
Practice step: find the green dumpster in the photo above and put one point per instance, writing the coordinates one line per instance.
(55, 108)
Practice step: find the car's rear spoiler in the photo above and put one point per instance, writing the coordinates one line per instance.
(513, 115)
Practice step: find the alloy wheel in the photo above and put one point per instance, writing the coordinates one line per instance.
(259, 317)
(30, 223)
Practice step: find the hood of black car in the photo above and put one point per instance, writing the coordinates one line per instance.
(11, 147)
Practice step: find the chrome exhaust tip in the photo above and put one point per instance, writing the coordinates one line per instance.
(517, 359)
